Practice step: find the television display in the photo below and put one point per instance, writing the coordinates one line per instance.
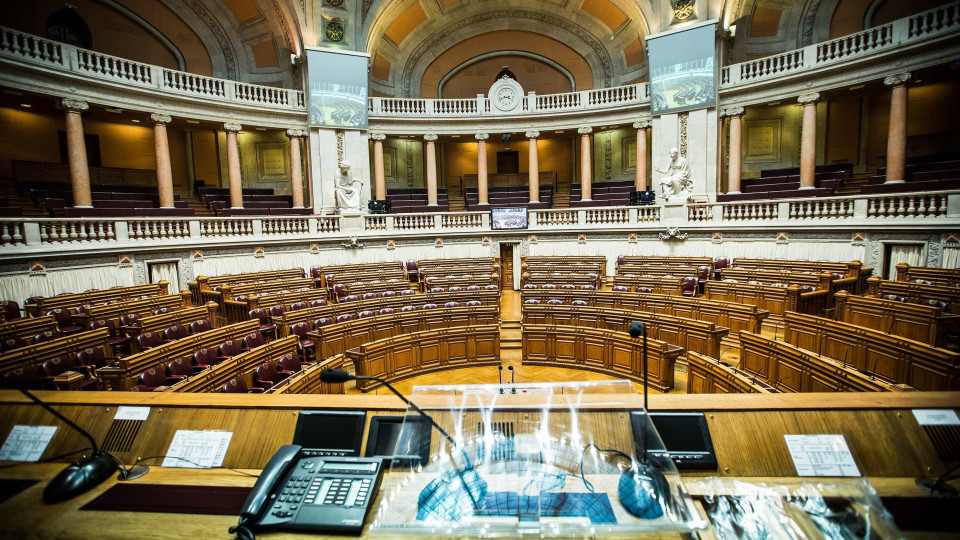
(683, 70)
(508, 218)
(337, 88)
(338, 432)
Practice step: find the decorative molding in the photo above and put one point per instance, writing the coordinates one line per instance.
(76, 105)
(232, 126)
(339, 146)
(857, 239)
(391, 245)
(295, 133)
(673, 233)
(782, 238)
(584, 130)
(213, 24)
(485, 241)
(581, 239)
(642, 124)
(430, 137)
(808, 98)
(717, 238)
(533, 239)
(438, 242)
(632, 238)
(532, 134)
(684, 116)
(732, 111)
(160, 118)
(897, 80)
(408, 146)
(608, 156)
(353, 243)
(482, 136)
(377, 136)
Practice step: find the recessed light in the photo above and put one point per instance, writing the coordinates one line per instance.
(454, 136)
(857, 86)
(260, 129)
(113, 110)
(773, 103)
(26, 105)
(561, 131)
(193, 121)
(135, 121)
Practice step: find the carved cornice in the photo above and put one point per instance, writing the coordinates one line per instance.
(642, 124)
(482, 136)
(377, 136)
(294, 133)
(232, 126)
(808, 98)
(585, 130)
(76, 105)
(532, 134)
(897, 80)
(732, 111)
(430, 137)
(160, 118)
(457, 28)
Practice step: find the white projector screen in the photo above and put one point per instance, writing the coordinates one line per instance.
(337, 88)
(683, 70)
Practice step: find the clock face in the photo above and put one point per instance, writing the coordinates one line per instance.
(682, 9)
(505, 96)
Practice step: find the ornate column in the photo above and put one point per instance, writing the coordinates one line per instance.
(77, 152)
(736, 139)
(641, 175)
(379, 179)
(233, 164)
(586, 163)
(482, 167)
(534, 166)
(808, 140)
(296, 166)
(897, 130)
(431, 139)
(162, 149)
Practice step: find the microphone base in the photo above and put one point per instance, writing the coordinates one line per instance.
(79, 477)
(943, 489)
(133, 473)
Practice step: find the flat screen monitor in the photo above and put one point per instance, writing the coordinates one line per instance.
(683, 69)
(337, 88)
(685, 435)
(400, 440)
(508, 218)
(336, 432)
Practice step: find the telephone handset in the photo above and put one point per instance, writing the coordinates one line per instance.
(302, 489)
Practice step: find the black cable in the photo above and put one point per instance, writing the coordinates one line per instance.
(586, 482)
(141, 460)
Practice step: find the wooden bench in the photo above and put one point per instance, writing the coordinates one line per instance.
(893, 358)
(662, 270)
(852, 269)
(486, 298)
(143, 307)
(945, 277)
(791, 369)
(239, 309)
(234, 291)
(706, 375)
(159, 323)
(123, 375)
(338, 338)
(243, 365)
(732, 315)
(914, 293)
(664, 260)
(307, 381)
(361, 287)
(419, 353)
(466, 280)
(329, 280)
(560, 278)
(658, 285)
(208, 282)
(94, 297)
(926, 324)
(24, 329)
(533, 260)
(602, 351)
(689, 334)
(335, 269)
(37, 353)
(775, 300)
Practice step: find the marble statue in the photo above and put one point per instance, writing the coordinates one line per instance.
(676, 183)
(347, 189)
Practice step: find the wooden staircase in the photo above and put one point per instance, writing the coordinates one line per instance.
(9, 192)
(561, 195)
(199, 208)
(511, 336)
(456, 202)
(853, 185)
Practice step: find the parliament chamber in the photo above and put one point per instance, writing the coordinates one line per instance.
(427, 268)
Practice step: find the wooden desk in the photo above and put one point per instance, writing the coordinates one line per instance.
(747, 431)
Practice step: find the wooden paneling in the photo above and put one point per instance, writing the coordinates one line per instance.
(916, 292)
(205, 282)
(926, 324)
(68, 301)
(37, 353)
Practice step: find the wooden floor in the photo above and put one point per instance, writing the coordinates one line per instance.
(510, 355)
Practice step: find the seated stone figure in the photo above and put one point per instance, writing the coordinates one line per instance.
(676, 183)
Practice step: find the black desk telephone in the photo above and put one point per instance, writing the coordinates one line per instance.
(302, 489)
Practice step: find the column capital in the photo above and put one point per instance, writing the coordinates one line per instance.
(160, 118)
(293, 133)
(897, 80)
(71, 104)
(482, 136)
(642, 124)
(377, 136)
(733, 111)
(232, 126)
(810, 97)
(532, 134)
(430, 137)
(585, 130)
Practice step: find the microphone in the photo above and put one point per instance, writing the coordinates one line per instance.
(435, 496)
(81, 476)
(720, 356)
(514, 389)
(780, 381)
(500, 376)
(873, 372)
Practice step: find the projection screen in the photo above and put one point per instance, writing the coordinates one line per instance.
(683, 70)
(337, 88)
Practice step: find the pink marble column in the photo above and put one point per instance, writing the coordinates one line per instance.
(897, 130)
(162, 150)
(736, 144)
(233, 164)
(534, 166)
(296, 166)
(641, 158)
(586, 163)
(482, 168)
(379, 178)
(431, 150)
(808, 140)
(77, 153)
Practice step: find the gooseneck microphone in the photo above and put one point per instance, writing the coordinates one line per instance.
(780, 381)
(81, 476)
(513, 389)
(500, 377)
(439, 487)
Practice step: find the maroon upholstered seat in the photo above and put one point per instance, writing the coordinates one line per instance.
(474, 303)
(267, 375)
(182, 366)
(62, 364)
(369, 296)
(129, 319)
(289, 363)
(408, 292)
(532, 301)
(64, 321)
(350, 298)
(471, 288)
(94, 357)
(163, 310)
(388, 294)
(451, 304)
(345, 317)
(568, 287)
(12, 342)
(300, 330)
(297, 306)
(438, 290)
(455, 288)
(428, 306)
(154, 378)
(175, 332)
(266, 326)
(318, 303)
(23, 377)
(386, 311)
(689, 285)
(644, 290)
(408, 308)
(277, 311)
(365, 313)
(620, 288)
(148, 340)
(579, 303)
(253, 340)
(202, 325)
(229, 349)
(588, 287)
(116, 341)
(323, 321)
(554, 302)
(235, 385)
(491, 287)
(548, 286)
(206, 357)
(11, 310)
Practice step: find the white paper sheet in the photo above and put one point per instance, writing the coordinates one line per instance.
(132, 413)
(821, 455)
(197, 449)
(936, 417)
(26, 443)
